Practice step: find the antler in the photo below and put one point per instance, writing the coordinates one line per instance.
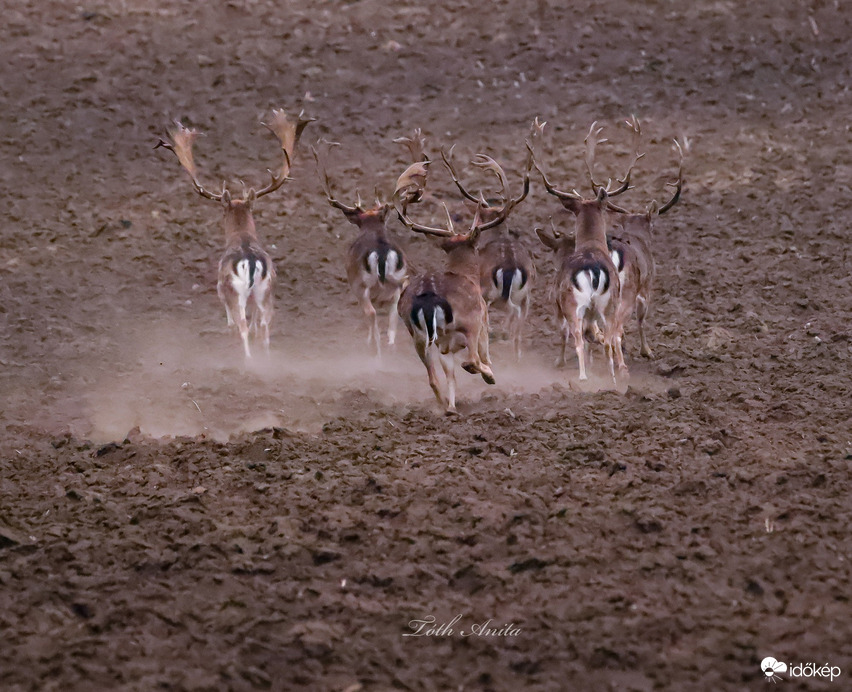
(488, 163)
(411, 185)
(653, 208)
(288, 133)
(634, 126)
(326, 182)
(591, 141)
(678, 185)
(537, 129)
(449, 232)
(181, 142)
(449, 164)
(416, 145)
(551, 189)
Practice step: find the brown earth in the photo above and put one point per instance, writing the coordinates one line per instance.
(171, 520)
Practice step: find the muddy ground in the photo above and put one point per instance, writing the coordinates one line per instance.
(172, 520)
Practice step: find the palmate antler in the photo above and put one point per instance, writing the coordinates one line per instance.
(411, 185)
(325, 182)
(654, 207)
(288, 133)
(286, 130)
(416, 145)
(489, 164)
(591, 141)
(449, 231)
(181, 143)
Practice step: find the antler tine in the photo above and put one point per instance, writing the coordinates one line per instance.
(447, 158)
(591, 141)
(547, 184)
(181, 143)
(486, 162)
(288, 133)
(636, 129)
(402, 212)
(416, 145)
(476, 227)
(678, 185)
(536, 130)
(325, 181)
(411, 184)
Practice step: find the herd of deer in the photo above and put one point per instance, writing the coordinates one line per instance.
(605, 268)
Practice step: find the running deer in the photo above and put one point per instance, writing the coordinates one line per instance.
(445, 312)
(246, 271)
(588, 288)
(507, 269)
(632, 252)
(376, 267)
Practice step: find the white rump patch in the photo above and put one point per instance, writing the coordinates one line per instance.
(517, 282)
(394, 267)
(587, 295)
(373, 262)
(439, 322)
(619, 261)
(240, 279)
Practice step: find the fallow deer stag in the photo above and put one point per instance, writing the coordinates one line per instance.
(376, 267)
(632, 252)
(588, 289)
(246, 271)
(445, 312)
(507, 269)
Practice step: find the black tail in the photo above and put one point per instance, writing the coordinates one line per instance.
(431, 308)
(255, 259)
(598, 276)
(508, 279)
(381, 259)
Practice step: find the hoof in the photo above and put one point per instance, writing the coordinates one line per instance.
(470, 367)
(488, 376)
(451, 412)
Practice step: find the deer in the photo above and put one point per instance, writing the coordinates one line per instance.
(246, 272)
(444, 311)
(506, 266)
(632, 253)
(588, 287)
(376, 266)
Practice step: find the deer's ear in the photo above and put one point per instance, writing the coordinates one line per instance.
(353, 217)
(571, 204)
(226, 198)
(653, 208)
(547, 239)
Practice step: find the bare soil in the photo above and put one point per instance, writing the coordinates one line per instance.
(170, 519)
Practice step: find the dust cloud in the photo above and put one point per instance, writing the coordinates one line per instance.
(175, 380)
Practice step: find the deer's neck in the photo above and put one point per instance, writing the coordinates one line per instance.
(375, 229)
(464, 261)
(239, 223)
(590, 230)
